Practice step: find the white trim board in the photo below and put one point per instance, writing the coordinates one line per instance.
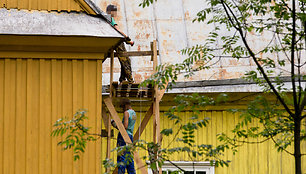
(188, 166)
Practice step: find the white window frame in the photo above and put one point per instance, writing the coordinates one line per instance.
(188, 166)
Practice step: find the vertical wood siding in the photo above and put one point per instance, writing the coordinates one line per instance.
(34, 93)
(254, 158)
(49, 5)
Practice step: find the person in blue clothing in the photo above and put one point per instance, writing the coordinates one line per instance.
(129, 119)
(125, 62)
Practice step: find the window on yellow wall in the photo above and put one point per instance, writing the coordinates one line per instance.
(188, 167)
(184, 172)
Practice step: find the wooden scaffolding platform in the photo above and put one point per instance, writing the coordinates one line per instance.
(133, 91)
(130, 90)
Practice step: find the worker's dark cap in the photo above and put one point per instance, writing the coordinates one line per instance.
(111, 8)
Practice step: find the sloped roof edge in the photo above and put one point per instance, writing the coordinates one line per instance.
(91, 8)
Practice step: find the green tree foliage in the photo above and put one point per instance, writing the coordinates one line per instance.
(76, 135)
(204, 152)
(278, 29)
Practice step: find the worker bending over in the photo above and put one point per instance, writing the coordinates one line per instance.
(129, 119)
(125, 62)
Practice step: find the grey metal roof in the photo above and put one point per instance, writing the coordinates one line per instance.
(53, 23)
(215, 86)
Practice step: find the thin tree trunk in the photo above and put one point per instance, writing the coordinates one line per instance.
(297, 145)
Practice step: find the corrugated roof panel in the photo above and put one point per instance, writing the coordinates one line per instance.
(49, 5)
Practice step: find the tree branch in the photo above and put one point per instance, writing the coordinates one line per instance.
(277, 143)
(299, 81)
(253, 142)
(281, 147)
(87, 132)
(255, 60)
(296, 106)
(284, 50)
(174, 137)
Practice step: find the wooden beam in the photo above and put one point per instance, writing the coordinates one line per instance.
(111, 74)
(108, 148)
(135, 53)
(154, 54)
(156, 121)
(155, 100)
(108, 117)
(140, 164)
(104, 117)
(143, 123)
(112, 110)
(162, 92)
(147, 117)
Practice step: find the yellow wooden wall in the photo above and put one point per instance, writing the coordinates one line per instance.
(50, 5)
(34, 93)
(251, 159)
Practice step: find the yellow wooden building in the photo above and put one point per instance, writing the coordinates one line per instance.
(50, 66)
(260, 158)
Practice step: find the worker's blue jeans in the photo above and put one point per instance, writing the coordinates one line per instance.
(125, 158)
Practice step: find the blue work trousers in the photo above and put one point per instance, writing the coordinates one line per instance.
(125, 158)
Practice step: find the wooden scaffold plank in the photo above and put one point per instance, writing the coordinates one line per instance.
(135, 53)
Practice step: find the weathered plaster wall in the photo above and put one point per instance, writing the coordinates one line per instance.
(171, 23)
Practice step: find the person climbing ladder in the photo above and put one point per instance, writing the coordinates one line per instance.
(125, 62)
